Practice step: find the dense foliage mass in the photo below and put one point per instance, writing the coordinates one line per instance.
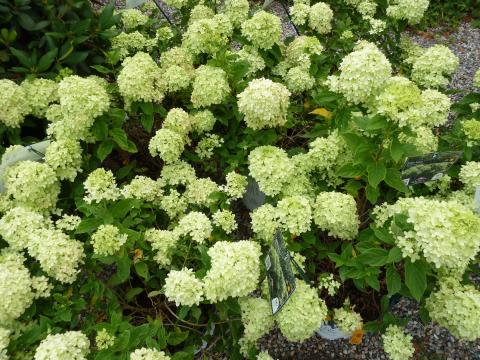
(127, 238)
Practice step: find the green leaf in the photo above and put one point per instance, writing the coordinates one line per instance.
(415, 278)
(376, 173)
(384, 235)
(123, 271)
(349, 171)
(394, 180)
(368, 123)
(132, 293)
(23, 57)
(142, 269)
(26, 21)
(104, 149)
(46, 60)
(101, 69)
(76, 57)
(372, 194)
(394, 281)
(395, 255)
(147, 122)
(177, 336)
(88, 225)
(120, 137)
(121, 208)
(373, 282)
(396, 149)
(373, 257)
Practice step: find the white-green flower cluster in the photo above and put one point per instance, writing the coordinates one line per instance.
(299, 51)
(235, 270)
(183, 287)
(251, 55)
(73, 345)
(295, 214)
(104, 340)
(424, 139)
(471, 129)
(476, 79)
(303, 314)
(210, 86)
(320, 18)
(263, 30)
(225, 219)
(16, 287)
(237, 11)
(40, 93)
(32, 185)
(199, 12)
(202, 121)
(397, 344)
(131, 43)
(456, 307)
(64, 156)
(347, 320)
(164, 243)
(199, 190)
(257, 318)
(445, 233)
(167, 144)
(178, 120)
(18, 225)
(265, 222)
(470, 175)
(236, 185)
(328, 282)
(432, 67)
(174, 204)
(140, 79)
(14, 105)
(133, 18)
(263, 355)
(336, 213)
(100, 185)
(362, 73)
(81, 101)
(270, 167)
(300, 12)
(107, 240)
(68, 222)
(177, 173)
(195, 224)
(143, 188)
(144, 353)
(264, 104)
(208, 35)
(207, 145)
(410, 10)
(4, 341)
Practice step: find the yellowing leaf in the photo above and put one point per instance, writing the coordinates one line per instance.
(357, 337)
(322, 112)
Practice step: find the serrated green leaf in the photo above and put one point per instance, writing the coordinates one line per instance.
(104, 149)
(415, 278)
(393, 179)
(376, 173)
(394, 281)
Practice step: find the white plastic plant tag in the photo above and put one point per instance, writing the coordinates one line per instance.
(253, 197)
(330, 331)
(34, 152)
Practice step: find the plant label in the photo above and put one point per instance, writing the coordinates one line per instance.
(281, 280)
(429, 167)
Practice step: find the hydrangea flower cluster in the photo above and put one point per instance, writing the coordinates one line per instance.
(177, 173)
(131, 43)
(183, 287)
(100, 185)
(257, 318)
(263, 355)
(64, 156)
(471, 129)
(265, 222)
(410, 10)
(143, 188)
(237, 11)
(107, 240)
(133, 18)
(347, 320)
(196, 225)
(208, 35)
(263, 30)
(320, 18)
(264, 104)
(225, 219)
(397, 344)
(295, 214)
(72, 345)
(164, 243)
(328, 282)
(81, 101)
(104, 340)
(40, 93)
(432, 67)
(210, 86)
(270, 167)
(207, 145)
(13, 103)
(336, 213)
(32, 185)
(229, 259)
(303, 314)
(167, 144)
(456, 307)
(362, 73)
(144, 353)
(140, 79)
(202, 121)
(470, 175)
(199, 190)
(68, 222)
(446, 233)
(236, 185)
